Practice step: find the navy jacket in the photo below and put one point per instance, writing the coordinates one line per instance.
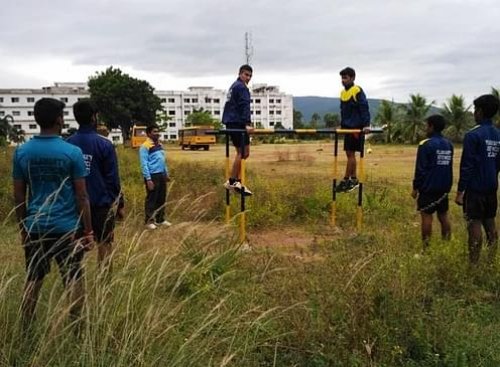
(237, 107)
(103, 181)
(434, 165)
(480, 159)
(354, 111)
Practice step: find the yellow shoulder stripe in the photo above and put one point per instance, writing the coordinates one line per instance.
(424, 141)
(148, 144)
(352, 92)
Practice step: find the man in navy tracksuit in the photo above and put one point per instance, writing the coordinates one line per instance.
(103, 180)
(478, 183)
(433, 178)
(237, 116)
(354, 114)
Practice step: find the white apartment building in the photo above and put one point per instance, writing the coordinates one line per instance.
(269, 107)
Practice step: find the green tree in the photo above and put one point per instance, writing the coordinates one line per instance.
(415, 111)
(201, 117)
(496, 93)
(123, 100)
(297, 119)
(331, 120)
(315, 120)
(279, 125)
(458, 117)
(389, 116)
(8, 132)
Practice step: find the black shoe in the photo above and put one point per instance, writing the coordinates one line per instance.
(352, 184)
(342, 186)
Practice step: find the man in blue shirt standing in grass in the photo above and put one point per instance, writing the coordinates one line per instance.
(103, 180)
(433, 178)
(478, 182)
(155, 172)
(52, 207)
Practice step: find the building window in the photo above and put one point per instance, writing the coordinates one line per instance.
(66, 113)
(216, 100)
(16, 113)
(1, 99)
(30, 99)
(31, 113)
(271, 112)
(64, 99)
(216, 112)
(18, 126)
(257, 112)
(2, 113)
(271, 101)
(271, 123)
(171, 112)
(208, 100)
(116, 138)
(194, 100)
(278, 101)
(173, 137)
(278, 112)
(257, 100)
(186, 113)
(14, 99)
(66, 126)
(32, 126)
(171, 124)
(163, 100)
(171, 100)
(165, 136)
(186, 100)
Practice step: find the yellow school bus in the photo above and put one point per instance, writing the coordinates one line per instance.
(138, 136)
(196, 137)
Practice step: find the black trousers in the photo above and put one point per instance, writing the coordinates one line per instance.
(155, 199)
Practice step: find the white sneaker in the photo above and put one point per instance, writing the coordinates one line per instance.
(165, 223)
(248, 192)
(151, 226)
(235, 187)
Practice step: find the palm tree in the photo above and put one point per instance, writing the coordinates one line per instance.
(387, 115)
(415, 110)
(458, 116)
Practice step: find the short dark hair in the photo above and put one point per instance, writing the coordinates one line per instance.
(245, 67)
(47, 110)
(488, 104)
(83, 110)
(348, 71)
(437, 122)
(150, 128)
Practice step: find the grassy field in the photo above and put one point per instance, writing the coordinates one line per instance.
(305, 295)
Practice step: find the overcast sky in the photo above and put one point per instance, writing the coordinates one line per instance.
(433, 47)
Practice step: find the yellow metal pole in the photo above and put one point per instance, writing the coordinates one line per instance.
(228, 194)
(361, 175)
(243, 214)
(333, 217)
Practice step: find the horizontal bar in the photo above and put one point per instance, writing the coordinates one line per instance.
(374, 130)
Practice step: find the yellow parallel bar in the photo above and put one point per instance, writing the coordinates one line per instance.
(306, 131)
(228, 206)
(243, 225)
(348, 131)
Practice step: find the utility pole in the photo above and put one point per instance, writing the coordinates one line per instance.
(248, 48)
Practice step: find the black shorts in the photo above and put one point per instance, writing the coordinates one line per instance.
(40, 249)
(431, 202)
(480, 205)
(103, 223)
(239, 139)
(352, 142)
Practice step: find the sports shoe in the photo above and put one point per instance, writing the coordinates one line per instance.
(235, 187)
(342, 186)
(151, 226)
(248, 192)
(165, 223)
(352, 184)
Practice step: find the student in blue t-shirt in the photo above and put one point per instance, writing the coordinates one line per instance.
(478, 182)
(433, 178)
(52, 207)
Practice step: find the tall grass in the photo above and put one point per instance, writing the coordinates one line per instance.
(188, 295)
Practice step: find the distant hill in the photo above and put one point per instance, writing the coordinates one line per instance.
(311, 104)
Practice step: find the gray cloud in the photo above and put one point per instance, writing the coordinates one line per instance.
(437, 47)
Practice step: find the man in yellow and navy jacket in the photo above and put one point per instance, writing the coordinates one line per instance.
(354, 114)
(433, 178)
(155, 172)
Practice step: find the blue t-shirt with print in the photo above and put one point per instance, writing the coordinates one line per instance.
(49, 165)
